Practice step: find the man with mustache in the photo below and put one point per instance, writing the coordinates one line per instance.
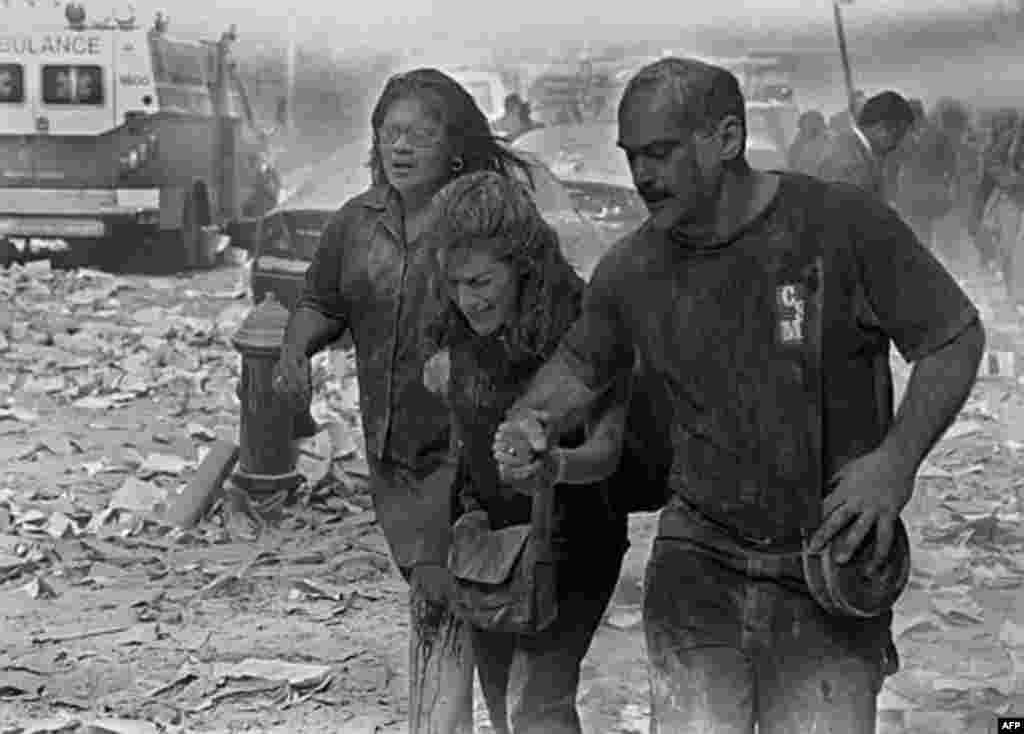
(720, 292)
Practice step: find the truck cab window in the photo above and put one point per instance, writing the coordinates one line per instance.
(12, 83)
(73, 85)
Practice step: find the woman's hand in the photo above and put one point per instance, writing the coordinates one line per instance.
(436, 373)
(292, 380)
(516, 449)
(520, 442)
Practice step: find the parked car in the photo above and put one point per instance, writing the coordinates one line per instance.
(289, 234)
(589, 164)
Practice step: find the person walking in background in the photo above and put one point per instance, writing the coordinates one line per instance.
(371, 277)
(738, 284)
(516, 119)
(996, 140)
(508, 297)
(1003, 184)
(809, 144)
(953, 118)
(927, 174)
(858, 156)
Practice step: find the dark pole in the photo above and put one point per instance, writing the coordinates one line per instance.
(841, 36)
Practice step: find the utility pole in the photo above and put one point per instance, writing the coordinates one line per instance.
(290, 80)
(844, 56)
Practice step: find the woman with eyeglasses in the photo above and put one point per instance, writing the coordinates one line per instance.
(371, 278)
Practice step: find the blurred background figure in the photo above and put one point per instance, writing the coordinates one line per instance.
(953, 117)
(858, 156)
(1002, 190)
(516, 120)
(842, 121)
(809, 144)
(927, 170)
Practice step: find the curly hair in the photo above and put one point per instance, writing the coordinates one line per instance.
(488, 212)
(467, 131)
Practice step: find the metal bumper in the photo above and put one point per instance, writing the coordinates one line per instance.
(72, 212)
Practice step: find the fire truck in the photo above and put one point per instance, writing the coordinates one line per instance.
(117, 141)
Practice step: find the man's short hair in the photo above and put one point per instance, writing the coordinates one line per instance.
(703, 94)
(887, 108)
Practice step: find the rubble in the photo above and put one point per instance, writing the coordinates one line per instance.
(131, 390)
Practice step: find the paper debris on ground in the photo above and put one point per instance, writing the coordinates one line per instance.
(138, 496)
(156, 464)
(298, 675)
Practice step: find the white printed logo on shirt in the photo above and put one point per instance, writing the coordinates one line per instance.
(790, 303)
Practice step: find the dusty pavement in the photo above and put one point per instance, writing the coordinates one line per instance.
(111, 390)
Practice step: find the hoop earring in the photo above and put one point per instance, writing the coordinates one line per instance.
(458, 164)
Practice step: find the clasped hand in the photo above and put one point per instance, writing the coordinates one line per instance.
(520, 445)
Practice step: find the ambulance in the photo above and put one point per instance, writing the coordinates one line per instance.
(117, 141)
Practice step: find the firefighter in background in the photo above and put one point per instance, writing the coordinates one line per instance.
(1004, 178)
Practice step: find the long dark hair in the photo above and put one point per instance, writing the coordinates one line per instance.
(488, 212)
(467, 131)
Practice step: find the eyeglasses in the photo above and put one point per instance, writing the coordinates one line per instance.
(418, 136)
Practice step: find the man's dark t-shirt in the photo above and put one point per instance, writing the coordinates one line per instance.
(722, 327)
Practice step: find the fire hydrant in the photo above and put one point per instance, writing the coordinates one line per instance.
(267, 456)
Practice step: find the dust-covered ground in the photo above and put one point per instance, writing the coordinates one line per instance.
(112, 390)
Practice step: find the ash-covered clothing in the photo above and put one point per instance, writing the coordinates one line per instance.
(734, 636)
(724, 332)
(368, 277)
(728, 646)
(534, 680)
(530, 683)
(848, 158)
(441, 661)
(485, 382)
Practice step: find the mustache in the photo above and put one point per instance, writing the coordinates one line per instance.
(653, 196)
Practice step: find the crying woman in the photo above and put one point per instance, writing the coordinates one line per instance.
(507, 297)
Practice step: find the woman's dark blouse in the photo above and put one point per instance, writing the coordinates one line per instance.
(484, 384)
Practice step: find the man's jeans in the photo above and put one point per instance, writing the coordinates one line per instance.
(535, 678)
(729, 648)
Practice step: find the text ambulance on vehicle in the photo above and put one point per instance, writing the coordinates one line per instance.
(114, 138)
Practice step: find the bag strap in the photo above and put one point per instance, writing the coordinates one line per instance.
(542, 516)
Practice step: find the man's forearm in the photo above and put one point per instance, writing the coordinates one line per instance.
(939, 385)
(309, 331)
(557, 391)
